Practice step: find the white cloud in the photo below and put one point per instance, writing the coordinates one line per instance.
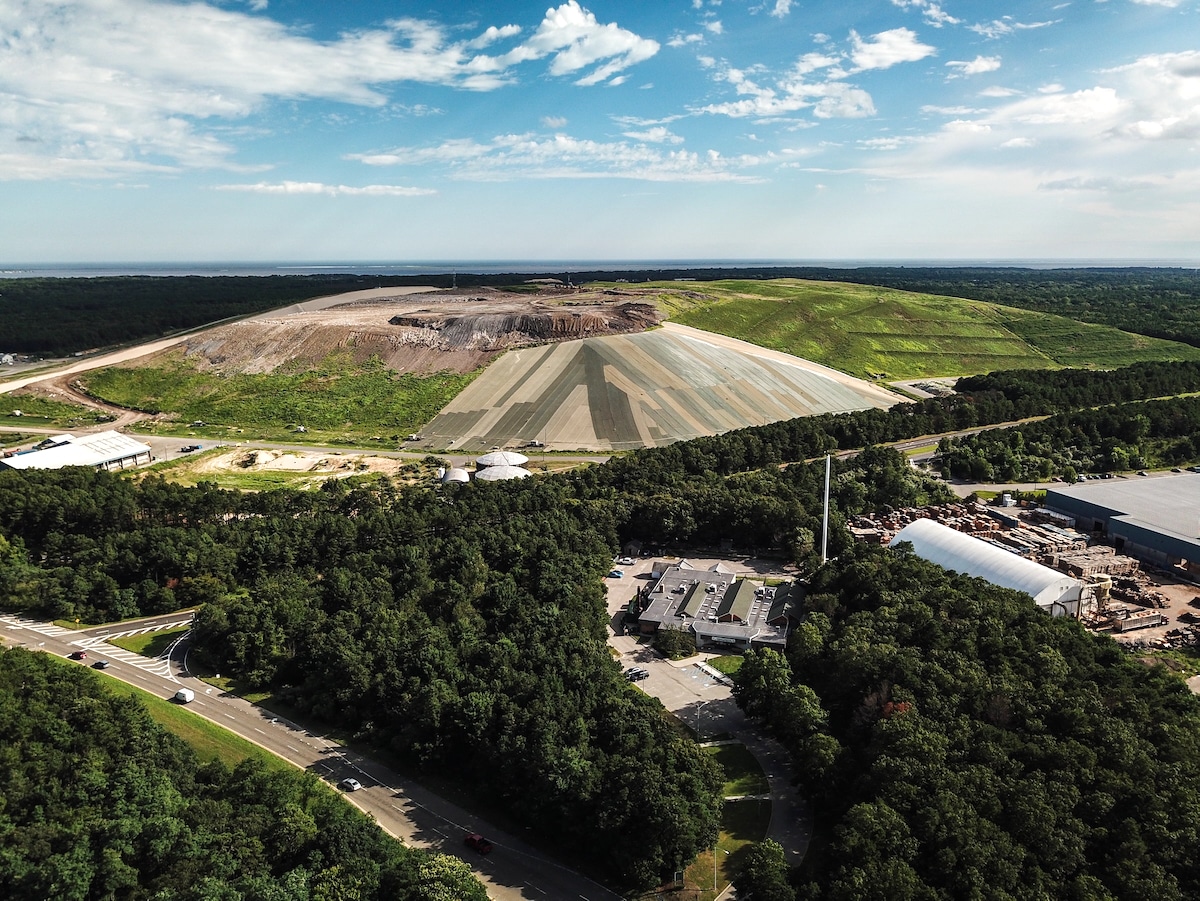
(933, 12)
(998, 28)
(998, 91)
(950, 110)
(714, 26)
(554, 121)
(492, 35)
(1014, 143)
(782, 8)
(508, 157)
(682, 40)
(105, 87)
(657, 135)
(1170, 4)
(977, 66)
(310, 188)
(887, 48)
(576, 40)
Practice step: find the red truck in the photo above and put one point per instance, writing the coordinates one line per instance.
(477, 842)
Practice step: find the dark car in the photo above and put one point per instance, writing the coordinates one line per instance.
(100, 664)
(78, 655)
(637, 674)
(477, 842)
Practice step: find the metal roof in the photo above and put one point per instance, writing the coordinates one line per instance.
(501, 473)
(1169, 504)
(455, 474)
(953, 550)
(86, 450)
(502, 458)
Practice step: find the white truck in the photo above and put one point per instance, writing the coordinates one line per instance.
(184, 695)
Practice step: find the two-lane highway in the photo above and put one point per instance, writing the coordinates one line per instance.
(514, 870)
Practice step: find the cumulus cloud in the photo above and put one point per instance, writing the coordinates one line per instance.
(977, 66)
(554, 121)
(104, 87)
(933, 12)
(782, 8)
(682, 40)
(311, 188)
(512, 156)
(886, 49)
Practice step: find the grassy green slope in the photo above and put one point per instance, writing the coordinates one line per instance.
(870, 331)
(337, 402)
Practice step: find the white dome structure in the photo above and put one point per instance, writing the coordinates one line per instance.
(501, 458)
(501, 473)
(455, 474)
(1051, 590)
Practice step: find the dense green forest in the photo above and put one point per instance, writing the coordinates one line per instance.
(1109, 439)
(956, 742)
(464, 629)
(99, 802)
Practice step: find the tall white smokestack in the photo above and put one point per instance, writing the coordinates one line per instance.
(825, 517)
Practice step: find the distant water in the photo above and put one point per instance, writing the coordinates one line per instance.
(492, 267)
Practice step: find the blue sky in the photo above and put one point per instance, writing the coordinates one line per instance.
(258, 130)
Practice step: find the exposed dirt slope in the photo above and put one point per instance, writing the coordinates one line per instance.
(419, 333)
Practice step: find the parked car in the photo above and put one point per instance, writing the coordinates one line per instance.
(188, 448)
(626, 561)
(349, 785)
(477, 842)
(636, 674)
(79, 655)
(615, 574)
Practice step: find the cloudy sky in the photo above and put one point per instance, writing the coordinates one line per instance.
(309, 130)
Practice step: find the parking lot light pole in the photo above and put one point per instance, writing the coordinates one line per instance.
(699, 734)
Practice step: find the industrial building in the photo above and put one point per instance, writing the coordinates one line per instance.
(1155, 519)
(1055, 592)
(104, 450)
(719, 609)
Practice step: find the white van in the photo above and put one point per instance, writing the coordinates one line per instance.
(184, 695)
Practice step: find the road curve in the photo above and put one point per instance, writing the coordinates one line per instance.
(515, 870)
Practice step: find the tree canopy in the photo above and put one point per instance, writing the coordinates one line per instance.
(100, 802)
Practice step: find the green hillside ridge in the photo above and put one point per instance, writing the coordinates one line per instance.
(883, 333)
(338, 402)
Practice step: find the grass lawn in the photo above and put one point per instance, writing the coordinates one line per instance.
(151, 644)
(729, 664)
(339, 402)
(743, 775)
(209, 740)
(881, 333)
(742, 824)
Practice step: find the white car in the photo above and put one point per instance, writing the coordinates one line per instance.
(350, 785)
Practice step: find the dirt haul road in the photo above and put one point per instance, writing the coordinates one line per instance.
(153, 347)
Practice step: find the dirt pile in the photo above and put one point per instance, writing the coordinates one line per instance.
(421, 333)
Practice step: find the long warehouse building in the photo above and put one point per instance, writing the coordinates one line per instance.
(1054, 592)
(1153, 518)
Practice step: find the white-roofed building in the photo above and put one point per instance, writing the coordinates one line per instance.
(104, 450)
(455, 474)
(501, 458)
(1055, 592)
(501, 473)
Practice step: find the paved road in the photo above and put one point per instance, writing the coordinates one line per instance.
(514, 870)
